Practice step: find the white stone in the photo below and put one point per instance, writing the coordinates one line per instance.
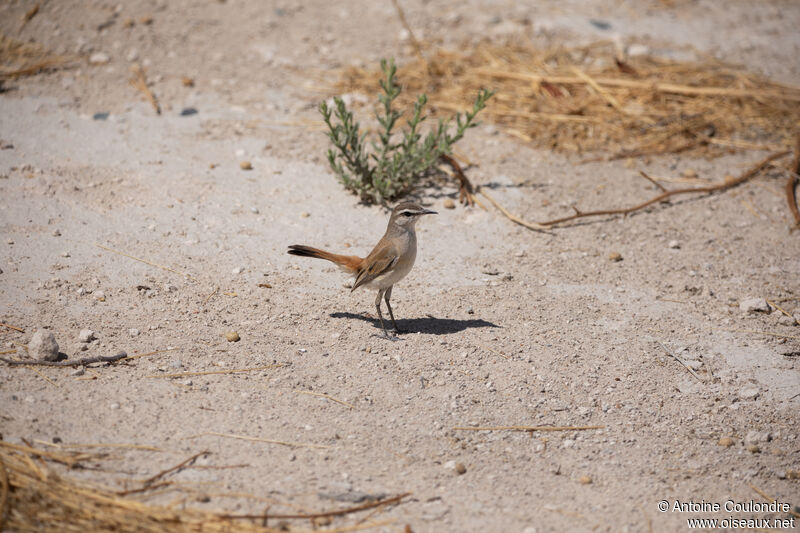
(86, 335)
(754, 305)
(99, 58)
(749, 393)
(43, 346)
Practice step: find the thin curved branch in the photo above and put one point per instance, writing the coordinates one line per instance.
(728, 184)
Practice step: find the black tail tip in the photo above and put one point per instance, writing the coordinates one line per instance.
(299, 249)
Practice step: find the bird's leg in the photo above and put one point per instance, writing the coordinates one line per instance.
(378, 307)
(386, 297)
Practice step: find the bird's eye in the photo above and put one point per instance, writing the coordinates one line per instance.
(406, 213)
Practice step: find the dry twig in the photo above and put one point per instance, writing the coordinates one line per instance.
(209, 372)
(175, 468)
(9, 326)
(328, 514)
(728, 184)
(80, 362)
(513, 218)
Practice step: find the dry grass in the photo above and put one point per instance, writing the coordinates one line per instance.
(35, 497)
(582, 99)
(18, 58)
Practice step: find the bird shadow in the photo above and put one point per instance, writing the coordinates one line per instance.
(430, 324)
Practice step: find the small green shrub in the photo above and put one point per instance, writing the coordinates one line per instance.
(391, 165)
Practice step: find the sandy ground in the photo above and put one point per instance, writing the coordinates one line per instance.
(506, 326)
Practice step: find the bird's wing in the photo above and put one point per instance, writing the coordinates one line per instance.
(379, 261)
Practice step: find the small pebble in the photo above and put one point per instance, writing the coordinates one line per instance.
(133, 54)
(114, 405)
(727, 442)
(133, 332)
(754, 305)
(674, 244)
(254, 210)
(189, 111)
(754, 448)
(615, 256)
(238, 270)
(305, 214)
(689, 173)
(78, 371)
(99, 58)
(449, 204)
(100, 295)
(246, 165)
(56, 233)
(232, 336)
(461, 469)
(86, 335)
(585, 480)
(102, 115)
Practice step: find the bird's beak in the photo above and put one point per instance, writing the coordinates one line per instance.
(429, 212)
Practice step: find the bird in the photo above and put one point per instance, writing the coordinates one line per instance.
(388, 262)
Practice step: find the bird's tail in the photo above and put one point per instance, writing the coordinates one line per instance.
(350, 263)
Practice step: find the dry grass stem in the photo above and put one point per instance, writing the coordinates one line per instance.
(681, 361)
(51, 382)
(582, 100)
(147, 262)
(526, 428)
(207, 298)
(771, 499)
(209, 372)
(18, 58)
(143, 447)
(327, 397)
(148, 354)
(501, 354)
(779, 308)
(139, 82)
(6, 352)
(15, 328)
(414, 42)
(258, 439)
